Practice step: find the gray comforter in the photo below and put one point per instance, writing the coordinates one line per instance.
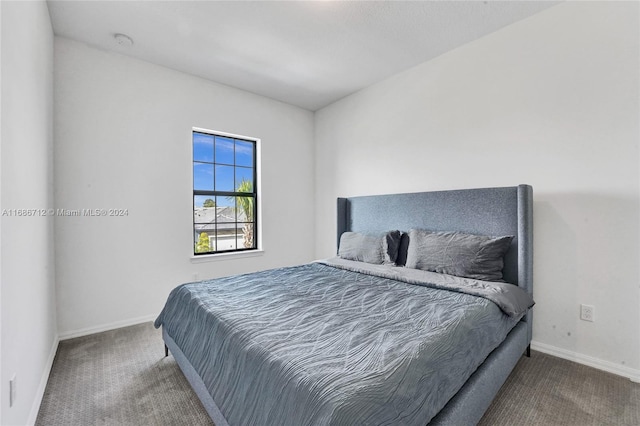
(320, 344)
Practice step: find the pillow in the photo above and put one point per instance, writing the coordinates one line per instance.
(455, 253)
(402, 249)
(370, 248)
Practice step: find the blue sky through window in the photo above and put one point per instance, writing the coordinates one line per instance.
(224, 150)
(220, 164)
(202, 147)
(203, 176)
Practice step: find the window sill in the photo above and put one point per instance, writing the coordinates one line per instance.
(226, 256)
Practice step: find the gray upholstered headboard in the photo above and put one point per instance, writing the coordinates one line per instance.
(485, 211)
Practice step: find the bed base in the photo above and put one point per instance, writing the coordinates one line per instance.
(470, 403)
(194, 380)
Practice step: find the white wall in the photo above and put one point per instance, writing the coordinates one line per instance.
(1, 378)
(551, 101)
(28, 291)
(1, 393)
(123, 140)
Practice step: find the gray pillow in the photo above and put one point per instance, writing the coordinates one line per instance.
(455, 253)
(370, 248)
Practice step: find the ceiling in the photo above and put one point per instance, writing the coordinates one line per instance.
(307, 53)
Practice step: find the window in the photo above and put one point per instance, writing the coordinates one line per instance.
(225, 193)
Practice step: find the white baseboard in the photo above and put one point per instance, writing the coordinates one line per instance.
(620, 370)
(35, 407)
(106, 327)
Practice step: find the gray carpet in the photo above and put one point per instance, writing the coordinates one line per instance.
(121, 377)
(118, 377)
(545, 390)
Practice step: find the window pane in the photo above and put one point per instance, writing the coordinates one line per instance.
(202, 147)
(226, 238)
(224, 150)
(224, 178)
(245, 209)
(246, 235)
(226, 214)
(207, 201)
(202, 176)
(244, 179)
(204, 239)
(225, 201)
(244, 153)
(203, 212)
(198, 200)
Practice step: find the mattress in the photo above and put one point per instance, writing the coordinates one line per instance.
(334, 344)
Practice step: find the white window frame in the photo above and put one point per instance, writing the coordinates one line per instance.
(259, 250)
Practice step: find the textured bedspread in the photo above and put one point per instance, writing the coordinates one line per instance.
(320, 345)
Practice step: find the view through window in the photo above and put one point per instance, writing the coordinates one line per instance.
(224, 193)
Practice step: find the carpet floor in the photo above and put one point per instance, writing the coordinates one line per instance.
(121, 377)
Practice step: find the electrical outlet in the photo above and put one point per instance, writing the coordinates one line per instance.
(586, 312)
(12, 391)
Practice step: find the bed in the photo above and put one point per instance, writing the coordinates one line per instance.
(345, 341)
